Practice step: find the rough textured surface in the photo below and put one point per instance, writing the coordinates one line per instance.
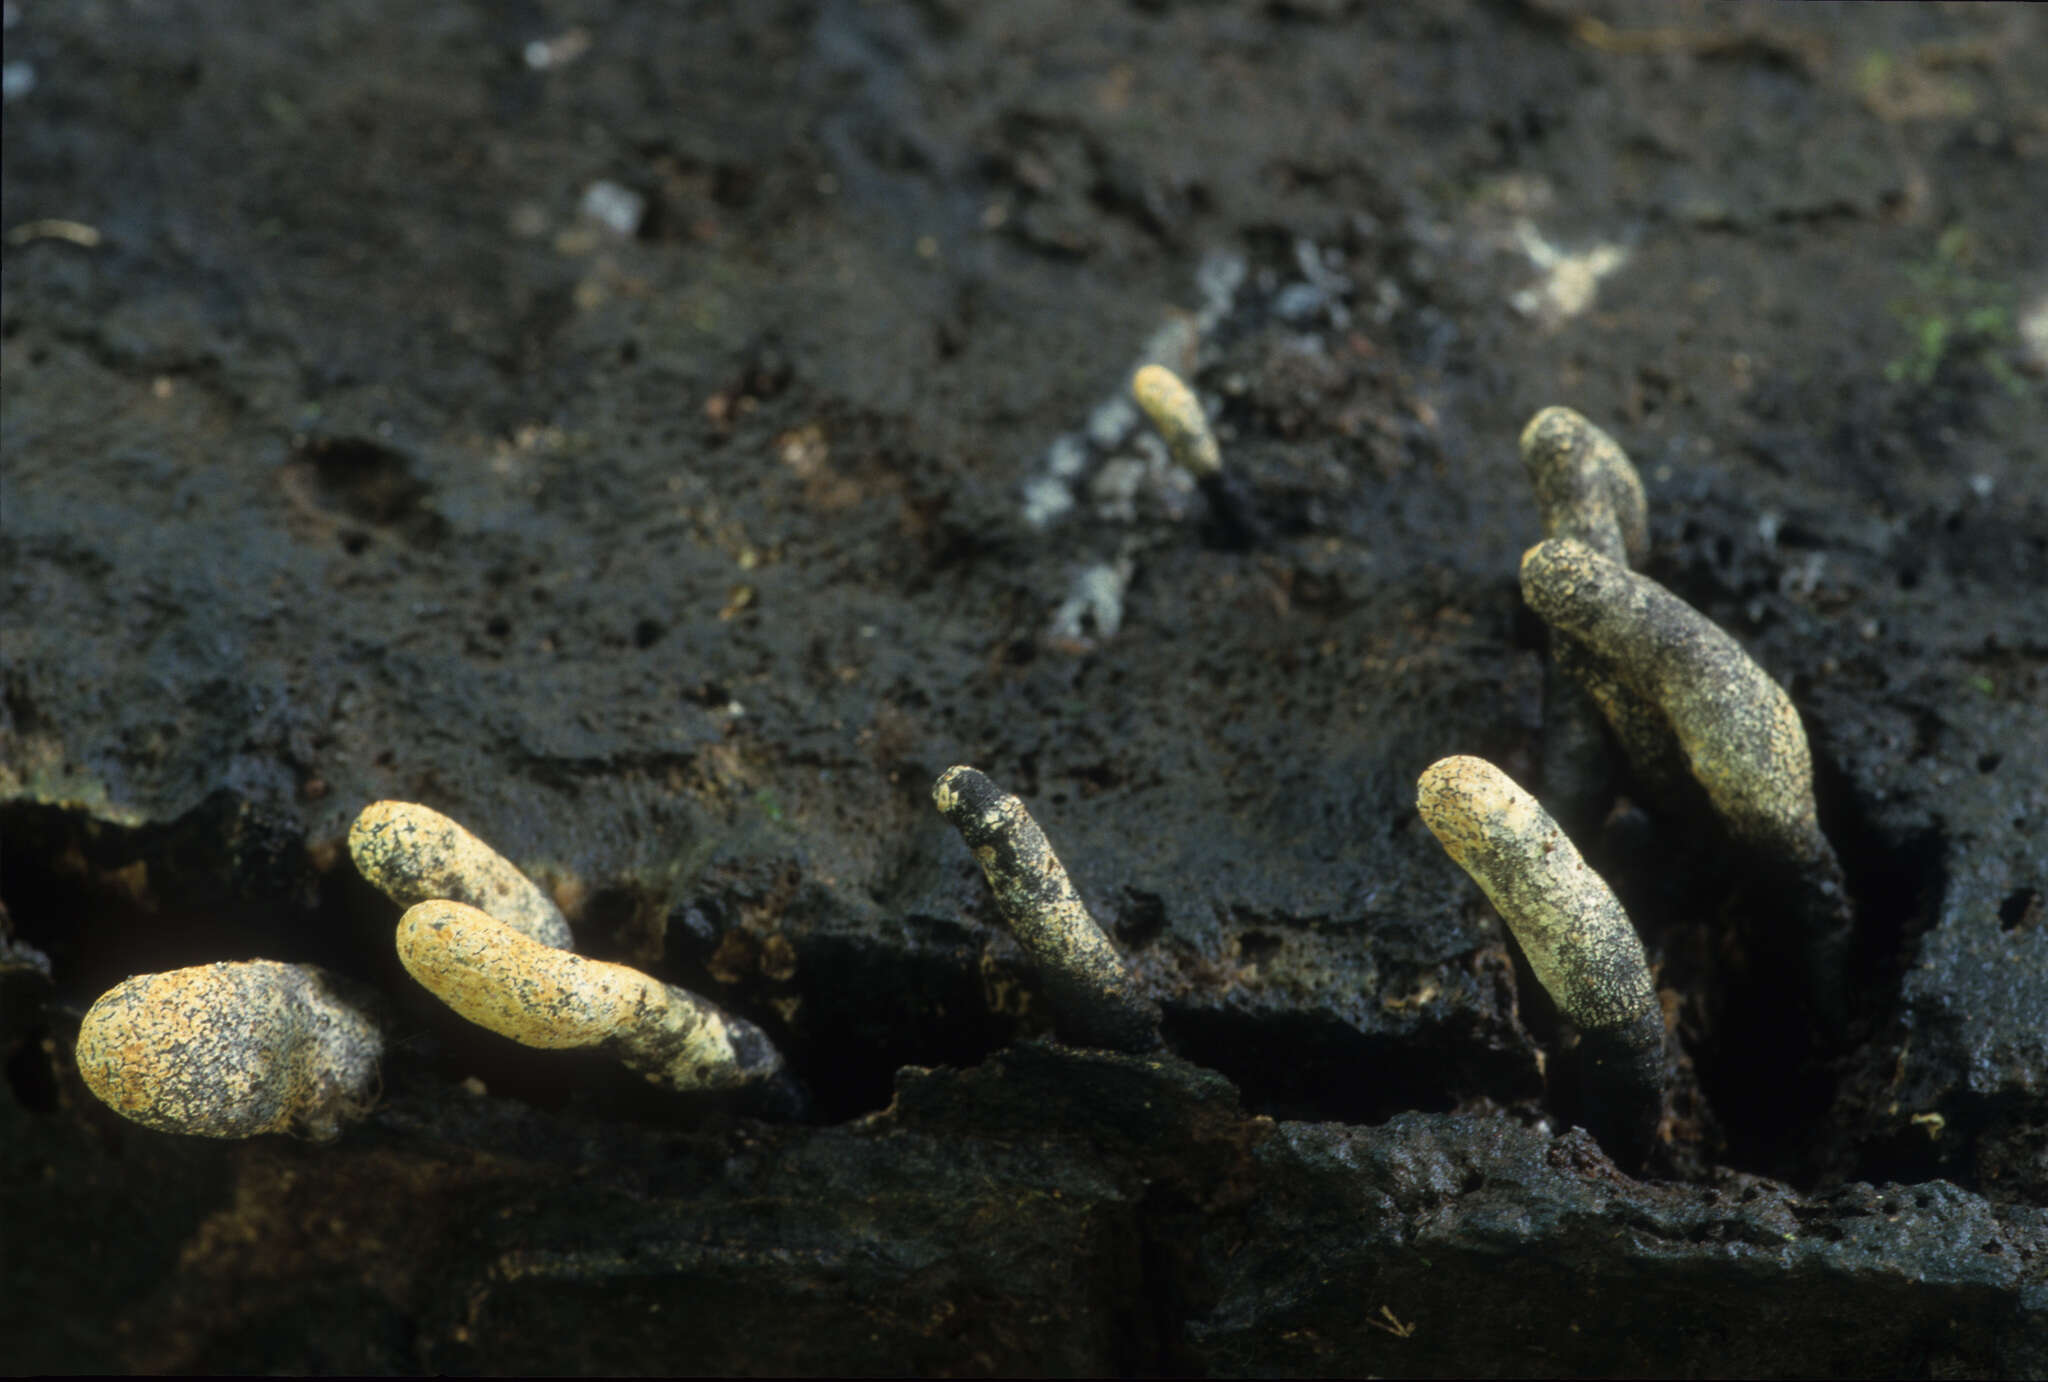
(413, 854)
(1171, 406)
(1740, 734)
(1574, 935)
(1586, 488)
(232, 1050)
(1095, 999)
(1577, 937)
(676, 557)
(504, 981)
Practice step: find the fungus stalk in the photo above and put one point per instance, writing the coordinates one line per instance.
(414, 854)
(1177, 415)
(1737, 731)
(232, 1050)
(503, 980)
(1574, 932)
(1094, 996)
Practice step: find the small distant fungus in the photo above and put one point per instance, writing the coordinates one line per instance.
(1095, 999)
(1572, 929)
(232, 1050)
(503, 980)
(415, 854)
(1177, 414)
(1738, 732)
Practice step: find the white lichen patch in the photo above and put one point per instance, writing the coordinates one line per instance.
(1571, 279)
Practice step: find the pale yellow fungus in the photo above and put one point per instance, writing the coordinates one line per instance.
(414, 854)
(1585, 486)
(505, 981)
(1574, 932)
(1568, 922)
(1741, 737)
(1737, 730)
(1177, 413)
(232, 1050)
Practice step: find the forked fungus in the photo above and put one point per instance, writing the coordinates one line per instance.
(1095, 999)
(505, 981)
(413, 854)
(232, 1050)
(1569, 924)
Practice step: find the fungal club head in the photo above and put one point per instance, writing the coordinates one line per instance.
(1574, 932)
(1177, 414)
(413, 853)
(505, 981)
(232, 1050)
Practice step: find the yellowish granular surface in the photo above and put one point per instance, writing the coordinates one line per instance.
(1568, 922)
(508, 983)
(231, 1050)
(505, 981)
(413, 853)
(1177, 413)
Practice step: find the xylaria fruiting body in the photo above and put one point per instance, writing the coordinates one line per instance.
(1573, 930)
(1177, 415)
(1737, 729)
(1585, 486)
(1587, 489)
(505, 981)
(232, 1050)
(413, 854)
(1095, 999)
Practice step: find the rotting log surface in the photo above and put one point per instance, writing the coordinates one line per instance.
(351, 464)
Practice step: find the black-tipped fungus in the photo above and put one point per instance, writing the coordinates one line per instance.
(503, 980)
(1095, 999)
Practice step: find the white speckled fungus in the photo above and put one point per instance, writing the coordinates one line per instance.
(1095, 999)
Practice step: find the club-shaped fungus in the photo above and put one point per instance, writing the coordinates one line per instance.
(1585, 486)
(1177, 415)
(503, 980)
(1574, 932)
(1586, 489)
(414, 854)
(232, 1050)
(1094, 997)
(1739, 734)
